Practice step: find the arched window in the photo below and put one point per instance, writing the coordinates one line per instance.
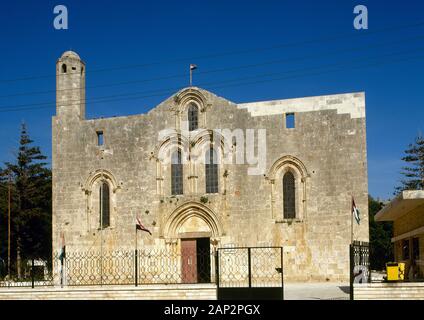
(104, 205)
(176, 173)
(63, 68)
(289, 195)
(211, 171)
(193, 117)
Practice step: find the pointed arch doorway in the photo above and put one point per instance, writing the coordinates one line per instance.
(196, 229)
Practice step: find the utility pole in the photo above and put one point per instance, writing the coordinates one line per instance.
(101, 229)
(8, 226)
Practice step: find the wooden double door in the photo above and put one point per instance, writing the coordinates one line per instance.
(196, 260)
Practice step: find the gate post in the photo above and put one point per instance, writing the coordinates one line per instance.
(217, 269)
(217, 273)
(249, 266)
(32, 273)
(351, 267)
(282, 274)
(136, 268)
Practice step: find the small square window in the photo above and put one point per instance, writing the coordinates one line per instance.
(100, 139)
(290, 120)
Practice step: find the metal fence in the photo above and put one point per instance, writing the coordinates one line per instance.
(250, 273)
(33, 272)
(132, 267)
(359, 264)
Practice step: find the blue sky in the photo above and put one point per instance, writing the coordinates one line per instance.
(310, 47)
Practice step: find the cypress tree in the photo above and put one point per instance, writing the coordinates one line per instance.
(413, 171)
(31, 216)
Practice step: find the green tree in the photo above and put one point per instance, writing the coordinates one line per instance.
(381, 249)
(31, 217)
(413, 171)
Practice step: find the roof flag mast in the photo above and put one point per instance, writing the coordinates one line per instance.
(192, 67)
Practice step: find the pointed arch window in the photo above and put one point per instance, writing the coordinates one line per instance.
(289, 195)
(211, 171)
(176, 173)
(193, 117)
(104, 205)
(64, 68)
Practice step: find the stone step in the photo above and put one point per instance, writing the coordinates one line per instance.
(388, 297)
(390, 294)
(388, 290)
(172, 293)
(385, 298)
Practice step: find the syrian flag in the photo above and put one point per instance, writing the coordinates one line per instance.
(193, 67)
(62, 254)
(355, 211)
(139, 226)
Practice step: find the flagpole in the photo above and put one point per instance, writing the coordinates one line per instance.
(136, 259)
(351, 220)
(351, 228)
(191, 76)
(8, 225)
(62, 260)
(101, 229)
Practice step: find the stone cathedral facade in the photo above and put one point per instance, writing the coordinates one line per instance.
(291, 187)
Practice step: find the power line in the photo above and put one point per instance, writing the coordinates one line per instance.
(278, 61)
(101, 98)
(70, 102)
(324, 72)
(237, 52)
(170, 91)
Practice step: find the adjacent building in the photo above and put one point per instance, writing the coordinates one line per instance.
(406, 211)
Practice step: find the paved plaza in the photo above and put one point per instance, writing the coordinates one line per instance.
(316, 291)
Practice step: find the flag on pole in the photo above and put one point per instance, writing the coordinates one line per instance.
(62, 254)
(193, 67)
(355, 212)
(139, 226)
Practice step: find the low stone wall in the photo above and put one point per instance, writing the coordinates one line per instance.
(147, 292)
(389, 291)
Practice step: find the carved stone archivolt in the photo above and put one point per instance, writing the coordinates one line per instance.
(187, 96)
(192, 217)
(89, 188)
(101, 174)
(276, 173)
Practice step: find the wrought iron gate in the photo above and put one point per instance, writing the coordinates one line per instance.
(249, 273)
(359, 264)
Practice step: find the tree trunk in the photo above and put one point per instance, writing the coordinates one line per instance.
(18, 257)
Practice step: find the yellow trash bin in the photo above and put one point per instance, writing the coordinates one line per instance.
(395, 271)
(401, 271)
